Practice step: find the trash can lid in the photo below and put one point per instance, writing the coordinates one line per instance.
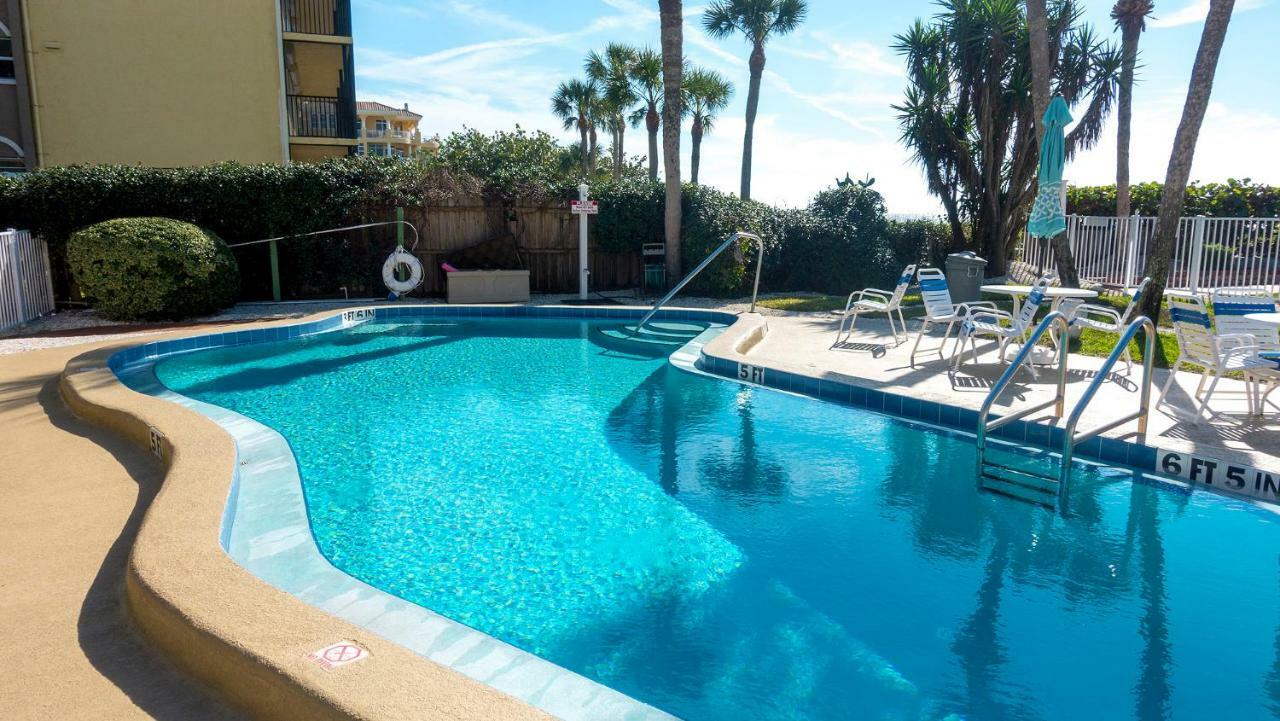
(966, 256)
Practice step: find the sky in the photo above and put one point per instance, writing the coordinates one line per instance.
(825, 107)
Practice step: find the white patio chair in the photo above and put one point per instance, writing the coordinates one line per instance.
(1218, 353)
(1231, 307)
(939, 308)
(1001, 325)
(874, 300)
(1108, 319)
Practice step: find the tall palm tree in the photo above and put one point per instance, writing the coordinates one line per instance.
(1041, 70)
(611, 70)
(646, 79)
(757, 20)
(671, 22)
(1184, 149)
(576, 104)
(1131, 17)
(706, 93)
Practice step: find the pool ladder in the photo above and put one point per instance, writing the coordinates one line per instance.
(1031, 484)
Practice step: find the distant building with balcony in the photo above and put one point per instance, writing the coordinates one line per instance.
(387, 131)
(175, 82)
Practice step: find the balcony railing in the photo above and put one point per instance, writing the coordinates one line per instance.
(315, 116)
(405, 135)
(316, 17)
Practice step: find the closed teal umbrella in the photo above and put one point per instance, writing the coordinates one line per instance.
(1047, 215)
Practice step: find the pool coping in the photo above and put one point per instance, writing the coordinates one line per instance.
(250, 640)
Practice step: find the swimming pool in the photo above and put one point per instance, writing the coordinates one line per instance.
(723, 551)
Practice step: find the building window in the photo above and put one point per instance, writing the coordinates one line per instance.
(381, 125)
(7, 73)
(359, 126)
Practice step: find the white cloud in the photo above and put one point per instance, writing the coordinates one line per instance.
(858, 57)
(1196, 11)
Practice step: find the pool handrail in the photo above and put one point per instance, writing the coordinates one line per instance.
(1055, 318)
(1070, 439)
(733, 237)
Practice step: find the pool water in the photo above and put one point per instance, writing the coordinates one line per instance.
(728, 552)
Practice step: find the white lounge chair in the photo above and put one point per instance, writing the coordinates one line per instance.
(939, 308)
(874, 300)
(1218, 353)
(1231, 310)
(1002, 326)
(1108, 319)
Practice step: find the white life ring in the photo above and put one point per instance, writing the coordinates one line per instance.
(401, 257)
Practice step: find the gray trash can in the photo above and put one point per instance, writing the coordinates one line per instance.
(964, 276)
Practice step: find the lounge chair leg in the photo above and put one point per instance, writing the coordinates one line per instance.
(924, 328)
(1173, 373)
(1204, 403)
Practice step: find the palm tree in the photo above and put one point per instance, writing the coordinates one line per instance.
(706, 93)
(576, 103)
(1184, 149)
(646, 78)
(611, 70)
(968, 115)
(1131, 17)
(671, 21)
(1038, 35)
(758, 20)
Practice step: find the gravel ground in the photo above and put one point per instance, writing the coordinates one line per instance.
(72, 327)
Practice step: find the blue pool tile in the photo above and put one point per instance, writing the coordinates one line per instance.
(807, 385)
(893, 403)
(967, 419)
(857, 395)
(1091, 448)
(1142, 456)
(1114, 451)
(875, 399)
(1038, 434)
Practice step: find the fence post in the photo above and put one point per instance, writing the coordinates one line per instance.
(1197, 253)
(1131, 254)
(11, 238)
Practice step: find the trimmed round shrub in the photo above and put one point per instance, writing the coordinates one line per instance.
(153, 269)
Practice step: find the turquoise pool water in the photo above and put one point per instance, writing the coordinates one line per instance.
(725, 552)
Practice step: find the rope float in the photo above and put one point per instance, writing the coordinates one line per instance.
(399, 258)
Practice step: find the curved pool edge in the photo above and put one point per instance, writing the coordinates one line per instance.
(245, 639)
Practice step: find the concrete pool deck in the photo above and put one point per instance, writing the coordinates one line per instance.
(74, 505)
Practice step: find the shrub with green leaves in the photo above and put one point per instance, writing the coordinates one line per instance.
(153, 269)
(1232, 199)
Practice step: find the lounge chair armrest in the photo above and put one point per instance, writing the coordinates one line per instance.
(964, 309)
(1097, 311)
(1234, 344)
(858, 295)
(994, 314)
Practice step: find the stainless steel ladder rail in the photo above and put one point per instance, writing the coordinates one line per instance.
(755, 288)
(1070, 438)
(1056, 318)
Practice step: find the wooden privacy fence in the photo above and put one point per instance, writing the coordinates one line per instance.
(546, 237)
(26, 288)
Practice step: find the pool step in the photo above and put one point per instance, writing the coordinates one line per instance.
(1020, 478)
(655, 339)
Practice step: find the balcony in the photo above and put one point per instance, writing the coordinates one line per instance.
(403, 136)
(316, 17)
(315, 116)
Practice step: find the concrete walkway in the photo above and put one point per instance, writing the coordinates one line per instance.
(73, 497)
(803, 343)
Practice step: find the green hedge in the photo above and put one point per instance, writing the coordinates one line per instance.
(153, 269)
(1232, 199)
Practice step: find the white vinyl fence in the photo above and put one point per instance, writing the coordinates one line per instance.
(26, 289)
(1208, 252)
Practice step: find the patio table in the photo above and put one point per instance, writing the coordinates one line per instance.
(1055, 296)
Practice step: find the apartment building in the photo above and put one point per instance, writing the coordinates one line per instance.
(175, 82)
(387, 131)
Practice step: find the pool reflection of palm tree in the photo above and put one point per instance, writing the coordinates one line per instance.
(746, 473)
(1151, 695)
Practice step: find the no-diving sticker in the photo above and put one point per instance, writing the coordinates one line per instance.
(338, 654)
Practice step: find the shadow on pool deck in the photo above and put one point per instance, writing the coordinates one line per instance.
(74, 498)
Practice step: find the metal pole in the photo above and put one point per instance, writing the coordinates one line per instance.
(583, 270)
(399, 227)
(275, 272)
(1197, 253)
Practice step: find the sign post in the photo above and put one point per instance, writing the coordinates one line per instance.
(582, 208)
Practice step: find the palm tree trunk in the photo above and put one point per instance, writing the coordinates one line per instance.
(621, 158)
(1184, 148)
(1041, 69)
(756, 65)
(591, 155)
(696, 158)
(652, 122)
(1124, 116)
(671, 13)
(585, 148)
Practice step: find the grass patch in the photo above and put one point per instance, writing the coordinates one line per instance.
(804, 303)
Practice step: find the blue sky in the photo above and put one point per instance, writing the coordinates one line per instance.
(825, 102)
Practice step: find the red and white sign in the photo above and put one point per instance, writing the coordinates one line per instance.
(338, 654)
(584, 207)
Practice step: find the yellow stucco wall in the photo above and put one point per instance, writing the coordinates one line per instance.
(155, 82)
